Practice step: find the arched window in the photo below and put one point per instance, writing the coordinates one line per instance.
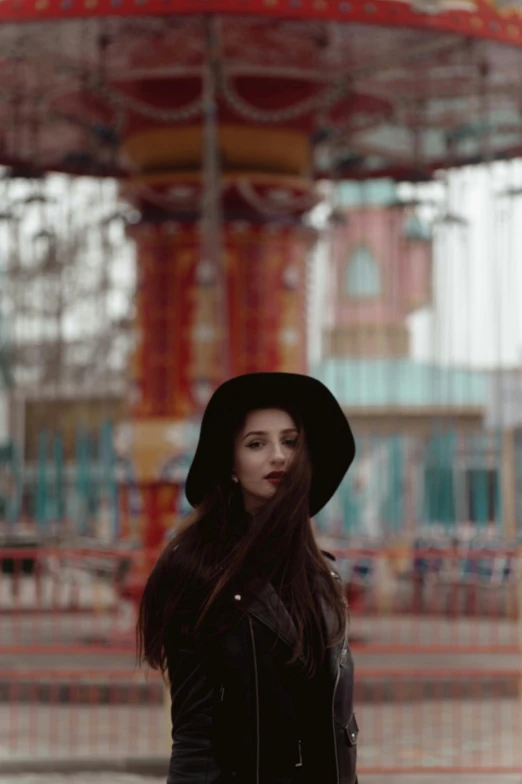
(362, 275)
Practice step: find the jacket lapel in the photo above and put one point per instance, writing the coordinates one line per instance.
(268, 608)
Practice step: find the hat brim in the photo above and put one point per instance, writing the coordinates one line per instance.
(329, 437)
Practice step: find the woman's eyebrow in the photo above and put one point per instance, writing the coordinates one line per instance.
(263, 432)
(255, 433)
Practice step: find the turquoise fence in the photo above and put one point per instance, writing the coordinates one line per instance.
(54, 495)
(405, 483)
(398, 484)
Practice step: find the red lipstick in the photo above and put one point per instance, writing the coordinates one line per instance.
(275, 477)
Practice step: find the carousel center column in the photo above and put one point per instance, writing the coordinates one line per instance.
(177, 359)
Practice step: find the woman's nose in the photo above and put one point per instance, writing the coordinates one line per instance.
(278, 456)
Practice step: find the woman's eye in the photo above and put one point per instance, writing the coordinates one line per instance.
(291, 443)
(254, 445)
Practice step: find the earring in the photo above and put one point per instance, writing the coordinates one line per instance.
(234, 478)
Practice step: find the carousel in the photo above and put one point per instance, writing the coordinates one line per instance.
(221, 121)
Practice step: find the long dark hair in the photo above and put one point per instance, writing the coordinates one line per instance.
(219, 548)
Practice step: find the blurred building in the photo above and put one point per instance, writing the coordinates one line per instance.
(431, 453)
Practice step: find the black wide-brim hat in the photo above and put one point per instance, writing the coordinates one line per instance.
(329, 438)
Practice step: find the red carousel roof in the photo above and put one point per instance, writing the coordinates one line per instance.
(396, 89)
(476, 18)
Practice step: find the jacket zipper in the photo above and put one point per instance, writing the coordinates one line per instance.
(300, 763)
(333, 713)
(258, 740)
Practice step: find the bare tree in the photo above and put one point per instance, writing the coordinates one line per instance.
(68, 283)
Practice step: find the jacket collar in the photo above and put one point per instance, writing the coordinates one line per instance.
(268, 608)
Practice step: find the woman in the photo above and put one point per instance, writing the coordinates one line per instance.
(242, 611)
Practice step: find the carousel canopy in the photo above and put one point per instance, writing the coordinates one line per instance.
(379, 88)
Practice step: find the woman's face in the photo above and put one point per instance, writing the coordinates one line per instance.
(263, 451)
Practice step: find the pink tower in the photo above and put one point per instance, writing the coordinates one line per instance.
(381, 259)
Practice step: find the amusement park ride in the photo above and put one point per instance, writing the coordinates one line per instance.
(218, 118)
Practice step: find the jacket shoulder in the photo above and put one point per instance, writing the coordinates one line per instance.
(332, 566)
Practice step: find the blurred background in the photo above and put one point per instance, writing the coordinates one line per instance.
(331, 189)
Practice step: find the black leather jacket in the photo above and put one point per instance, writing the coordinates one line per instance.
(215, 692)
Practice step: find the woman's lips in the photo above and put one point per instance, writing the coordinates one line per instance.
(276, 477)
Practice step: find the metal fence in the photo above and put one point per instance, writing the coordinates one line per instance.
(437, 659)
(62, 601)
